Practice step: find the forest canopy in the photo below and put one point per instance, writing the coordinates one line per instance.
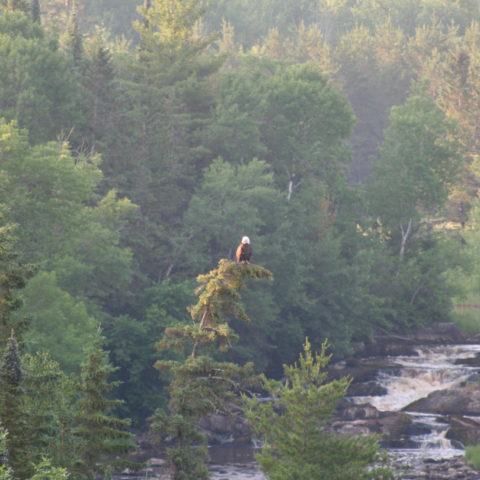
(139, 141)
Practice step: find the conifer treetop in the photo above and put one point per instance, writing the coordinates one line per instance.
(218, 301)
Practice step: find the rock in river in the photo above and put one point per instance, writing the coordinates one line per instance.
(462, 400)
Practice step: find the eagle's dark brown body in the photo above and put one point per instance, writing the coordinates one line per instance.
(244, 252)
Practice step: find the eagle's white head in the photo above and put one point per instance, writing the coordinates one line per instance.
(245, 240)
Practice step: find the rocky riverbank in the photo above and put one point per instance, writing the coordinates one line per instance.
(419, 390)
(406, 469)
(430, 469)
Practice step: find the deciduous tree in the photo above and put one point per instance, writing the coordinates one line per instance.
(37, 88)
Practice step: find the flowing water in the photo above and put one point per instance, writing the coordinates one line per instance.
(410, 378)
(406, 379)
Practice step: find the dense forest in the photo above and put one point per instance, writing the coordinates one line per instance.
(139, 141)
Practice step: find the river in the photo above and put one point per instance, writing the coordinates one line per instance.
(405, 379)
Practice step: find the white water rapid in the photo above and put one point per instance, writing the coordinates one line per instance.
(405, 379)
(410, 378)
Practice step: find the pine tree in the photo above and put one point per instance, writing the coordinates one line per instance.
(36, 11)
(101, 434)
(102, 92)
(218, 301)
(201, 385)
(46, 471)
(169, 102)
(12, 278)
(11, 415)
(49, 405)
(72, 41)
(294, 427)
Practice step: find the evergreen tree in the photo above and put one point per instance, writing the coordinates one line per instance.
(72, 41)
(200, 385)
(218, 301)
(45, 470)
(5, 470)
(294, 427)
(49, 406)
(11, 412)
(169, 104)
(12, 278)
(102, 90)
(155, 309)
(36, 11)
(102, 436)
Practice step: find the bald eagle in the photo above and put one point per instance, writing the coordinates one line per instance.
(244, 251)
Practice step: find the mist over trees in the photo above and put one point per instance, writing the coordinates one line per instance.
(139, 141)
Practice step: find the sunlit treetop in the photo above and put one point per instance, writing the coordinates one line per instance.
(218, 301)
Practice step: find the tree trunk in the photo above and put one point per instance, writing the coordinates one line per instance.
(405, 235)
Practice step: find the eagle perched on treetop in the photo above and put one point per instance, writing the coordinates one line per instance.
(244, 251)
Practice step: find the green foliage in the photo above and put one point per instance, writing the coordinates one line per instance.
(235, 132)
(49, 405)
(132, 339)
(218, 300)
(305, 122)
(5, 471)
(288, 115)
(200, 385)
(231, 199)
(101, 89)
(66, 226)
(36, 11)
(422, 156)
(294, 427)
(104, 440)
(166, 93)
(11, 415)
(188, 456)
(71, 40)
(12, 279)
(46, 471)
(37, 89)
(22, 6)
(172, 22)
(214, 138)
(472, 455)
(322, 275)
(59, 323)
(466, 313)
(42, 471)
(468, 318)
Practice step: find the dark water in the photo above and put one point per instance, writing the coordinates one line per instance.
(232, 454)
(233, 462)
